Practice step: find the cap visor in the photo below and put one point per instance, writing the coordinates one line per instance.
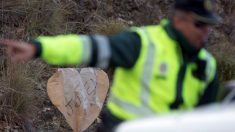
(210, 18)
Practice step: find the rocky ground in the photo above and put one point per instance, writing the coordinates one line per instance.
(26, 19)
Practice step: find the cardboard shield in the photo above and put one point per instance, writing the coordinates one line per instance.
(79, 94)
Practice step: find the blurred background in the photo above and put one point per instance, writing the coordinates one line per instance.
(24, 105)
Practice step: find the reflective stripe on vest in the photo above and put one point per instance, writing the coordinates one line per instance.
(143, 109)
(145, 90)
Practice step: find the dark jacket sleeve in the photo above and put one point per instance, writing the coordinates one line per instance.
(210, 94)
(125, 49)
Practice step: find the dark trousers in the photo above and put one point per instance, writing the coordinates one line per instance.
(109, 121)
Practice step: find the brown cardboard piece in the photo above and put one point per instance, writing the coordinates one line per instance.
(79, 94)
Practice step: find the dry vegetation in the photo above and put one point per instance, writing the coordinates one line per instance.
(23, 101)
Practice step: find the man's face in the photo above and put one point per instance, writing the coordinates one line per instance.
(196, 32)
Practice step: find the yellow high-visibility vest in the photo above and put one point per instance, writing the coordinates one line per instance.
(149, 88)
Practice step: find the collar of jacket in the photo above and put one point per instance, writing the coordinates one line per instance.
(190, 53)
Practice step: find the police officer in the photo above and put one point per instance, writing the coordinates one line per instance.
(158, 68)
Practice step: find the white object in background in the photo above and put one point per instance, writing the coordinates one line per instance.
(214, 118)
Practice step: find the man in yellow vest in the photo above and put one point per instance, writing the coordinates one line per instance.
(158, 68)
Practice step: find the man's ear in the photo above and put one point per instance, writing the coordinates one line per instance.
(179, 18)
(177, 22)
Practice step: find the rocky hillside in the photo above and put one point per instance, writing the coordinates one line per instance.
(24, 104)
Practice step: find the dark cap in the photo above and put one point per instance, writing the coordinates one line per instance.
(203, 10)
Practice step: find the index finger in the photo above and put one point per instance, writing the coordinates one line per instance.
(9, 42)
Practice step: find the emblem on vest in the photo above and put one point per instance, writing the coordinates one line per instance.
(163, 69)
